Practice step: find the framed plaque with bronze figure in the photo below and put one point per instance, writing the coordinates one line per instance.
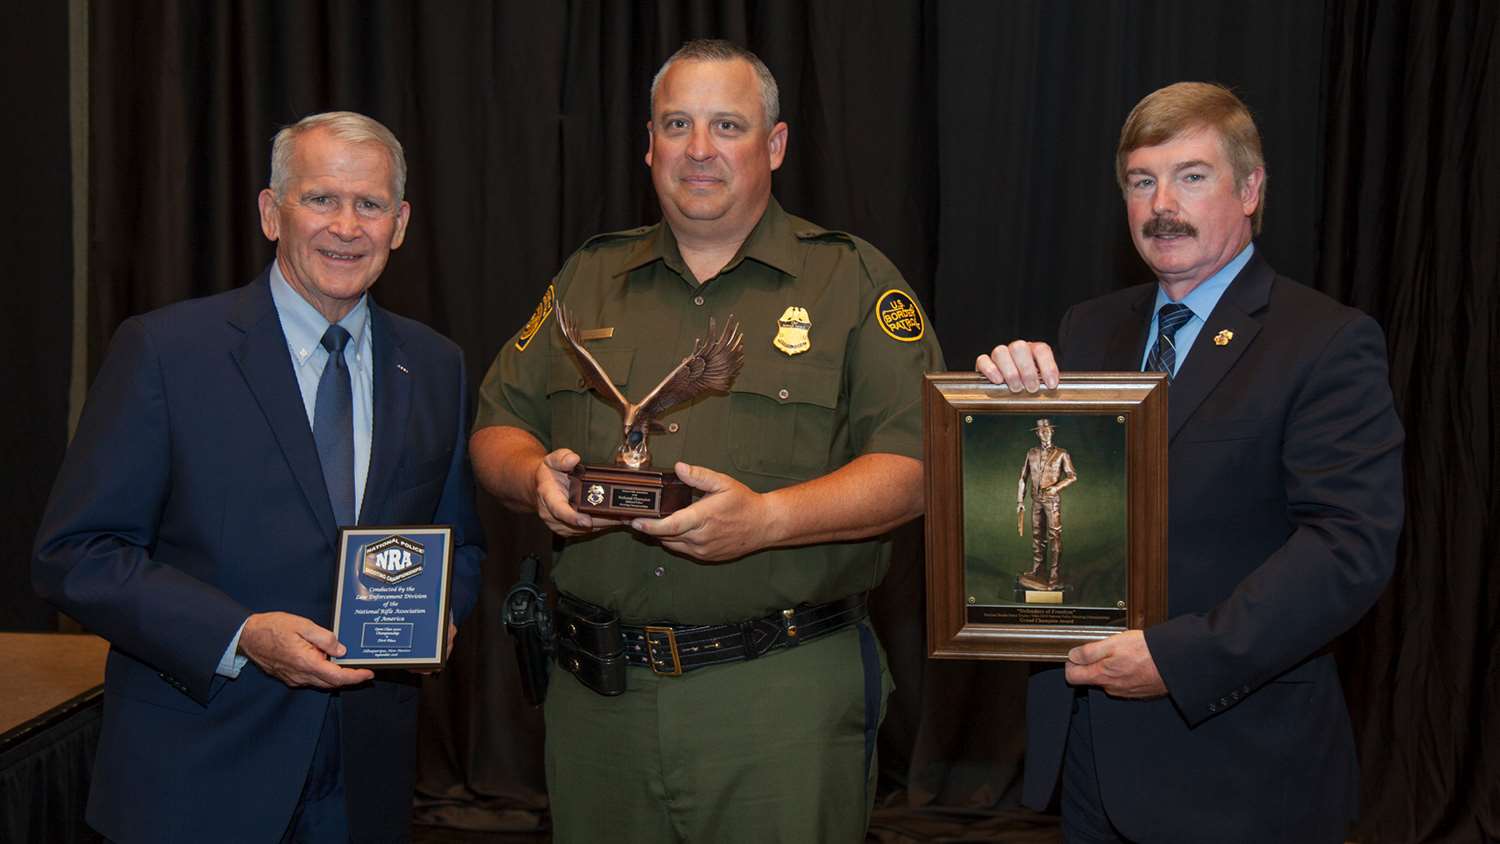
(630, 486)
(1083, 468)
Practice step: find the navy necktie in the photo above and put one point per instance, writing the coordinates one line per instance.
(333, 426)
(1171, 317)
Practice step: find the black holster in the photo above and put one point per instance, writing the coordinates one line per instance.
(529, 620)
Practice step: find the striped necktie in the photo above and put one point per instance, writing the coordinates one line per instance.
(1163, 358)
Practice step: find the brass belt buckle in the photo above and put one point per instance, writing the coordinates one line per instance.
(671, 643)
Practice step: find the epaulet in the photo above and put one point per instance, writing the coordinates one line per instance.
(875, 261)
(625, 234)
(878, 268)
(812, 232)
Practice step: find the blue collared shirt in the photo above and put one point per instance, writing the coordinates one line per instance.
(304, 326)
(1201, 302)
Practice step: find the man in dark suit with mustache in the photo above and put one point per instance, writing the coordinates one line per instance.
(1226, 722)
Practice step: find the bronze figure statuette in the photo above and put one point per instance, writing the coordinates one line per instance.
(1046, 471)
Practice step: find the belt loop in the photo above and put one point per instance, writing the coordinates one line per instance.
(746, 628)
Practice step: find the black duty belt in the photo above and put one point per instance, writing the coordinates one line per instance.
(596, 647)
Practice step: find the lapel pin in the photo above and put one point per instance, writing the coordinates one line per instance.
(1223, 337)
(408, 371)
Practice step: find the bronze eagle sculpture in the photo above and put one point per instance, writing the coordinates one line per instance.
(711, 367)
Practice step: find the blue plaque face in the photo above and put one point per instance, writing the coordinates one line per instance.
(391, 597)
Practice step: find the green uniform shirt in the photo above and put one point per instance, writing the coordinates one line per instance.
(855, 389)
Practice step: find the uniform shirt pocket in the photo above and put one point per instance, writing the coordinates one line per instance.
(782, 419)
(580, 420)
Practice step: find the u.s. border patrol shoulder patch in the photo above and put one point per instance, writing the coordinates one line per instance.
(899, 316)
(534, 325)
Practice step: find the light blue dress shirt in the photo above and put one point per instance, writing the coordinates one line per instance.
(304, 326)
(1201, 302)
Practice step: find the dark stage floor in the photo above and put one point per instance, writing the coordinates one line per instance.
(890, 826)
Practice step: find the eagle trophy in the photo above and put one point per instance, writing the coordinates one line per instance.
(711, 367)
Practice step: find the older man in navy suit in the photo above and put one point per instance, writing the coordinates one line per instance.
(194, 521)
(1225, 722)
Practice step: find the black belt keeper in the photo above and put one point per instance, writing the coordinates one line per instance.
(594, 646)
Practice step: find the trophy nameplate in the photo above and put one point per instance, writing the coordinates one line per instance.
(631, 487)
(624, 493)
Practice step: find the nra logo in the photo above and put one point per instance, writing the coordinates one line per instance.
(393, 559)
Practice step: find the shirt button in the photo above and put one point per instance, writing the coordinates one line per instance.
(782, 393)
(660, 571)
(673, 428)
(697, 300)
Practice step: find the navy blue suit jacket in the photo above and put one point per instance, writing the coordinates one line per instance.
(1285, 504)
(191, 497)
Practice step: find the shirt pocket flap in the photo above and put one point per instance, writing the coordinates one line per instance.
(564, 375)
(790, 383)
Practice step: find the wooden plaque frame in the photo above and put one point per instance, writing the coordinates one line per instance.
(1139, 400)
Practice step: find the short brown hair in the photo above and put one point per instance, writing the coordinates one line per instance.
(1188, 106)
(719, 50)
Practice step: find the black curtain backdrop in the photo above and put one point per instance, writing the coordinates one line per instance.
(1412, 235)
(973, 142)
(1031, 98)
(35, 341)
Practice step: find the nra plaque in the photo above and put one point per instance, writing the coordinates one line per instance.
(391, 596)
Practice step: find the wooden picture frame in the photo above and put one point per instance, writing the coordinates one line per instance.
(988, 596)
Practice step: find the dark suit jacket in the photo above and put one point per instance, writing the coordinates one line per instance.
(1285, 504)
(192, 496)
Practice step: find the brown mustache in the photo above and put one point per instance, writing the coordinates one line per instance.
(1157, 226)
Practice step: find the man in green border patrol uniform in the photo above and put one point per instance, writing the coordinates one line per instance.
(726, 683)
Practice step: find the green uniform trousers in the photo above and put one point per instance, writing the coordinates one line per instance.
(780, 748)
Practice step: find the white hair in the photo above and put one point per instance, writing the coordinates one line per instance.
(348, 126)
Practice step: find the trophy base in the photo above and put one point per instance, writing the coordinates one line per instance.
(1031, 589)
(618, 492)
(1042, 597)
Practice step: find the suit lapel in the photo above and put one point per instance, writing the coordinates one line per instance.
(1208, 362)
(1124, 349)
(267, 368)
(392, 401)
